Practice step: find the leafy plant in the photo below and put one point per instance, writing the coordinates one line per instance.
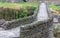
(9, 13)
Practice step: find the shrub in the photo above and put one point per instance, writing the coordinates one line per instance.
(9, 13)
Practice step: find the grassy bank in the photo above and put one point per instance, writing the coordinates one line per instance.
(10, 11)
(17, 5)
(55, 9)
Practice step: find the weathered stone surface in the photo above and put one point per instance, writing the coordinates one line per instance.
(40, 27)
(21, 21)
(2, 21)
(11, 33)
(35, 26)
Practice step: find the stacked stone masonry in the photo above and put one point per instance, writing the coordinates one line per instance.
(32, 26)
(37, 29)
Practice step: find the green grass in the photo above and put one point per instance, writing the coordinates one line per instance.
(15, 5)
(8, 13)
(23, 4)
(54, 7)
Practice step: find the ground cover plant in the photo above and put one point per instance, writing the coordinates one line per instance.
(55, 8)
(9, 11)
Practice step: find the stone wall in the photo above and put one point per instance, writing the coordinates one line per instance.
(37, 29)
(35, 26)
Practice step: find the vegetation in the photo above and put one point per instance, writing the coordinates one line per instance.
(9, 11)
(56, 31)
(18, 5)
(55, 9)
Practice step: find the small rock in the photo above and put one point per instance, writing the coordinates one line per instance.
(2, 21)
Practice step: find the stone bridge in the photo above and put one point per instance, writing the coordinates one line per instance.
(35, 26)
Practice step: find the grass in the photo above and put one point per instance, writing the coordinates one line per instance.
(23, 4)
(24, 9)
(17, 5)
(54, 7)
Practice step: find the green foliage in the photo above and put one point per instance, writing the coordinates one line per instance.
(22, 13)
(12, 5)
(54, 7)
(55, 32)
(9, 13)
(30, 10)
